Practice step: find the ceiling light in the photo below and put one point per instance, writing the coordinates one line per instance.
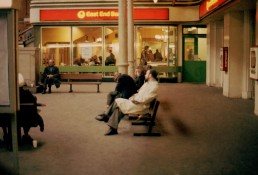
(155, 1)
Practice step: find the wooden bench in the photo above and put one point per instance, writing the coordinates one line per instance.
(81, 78)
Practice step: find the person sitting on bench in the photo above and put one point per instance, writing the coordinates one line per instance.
(26, 97)
(140, 76)
(50, 76)
(139, 103)
(125, 88)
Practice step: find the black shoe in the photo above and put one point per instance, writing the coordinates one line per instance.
(111, 131)
(26, 139)
(41, 127)
(102, 117)
(49, 91)
(43, 92)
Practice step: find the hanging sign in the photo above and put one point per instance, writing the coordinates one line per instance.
(209, 5)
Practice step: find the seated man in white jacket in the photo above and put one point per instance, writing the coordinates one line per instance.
(139, 103)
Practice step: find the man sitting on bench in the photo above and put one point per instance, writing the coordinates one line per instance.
(139, 103)
(50, 76)
(125, 88)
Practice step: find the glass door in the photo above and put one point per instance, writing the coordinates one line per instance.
(194, 56)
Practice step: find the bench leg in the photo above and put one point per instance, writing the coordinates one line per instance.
(147, 134)
(71, 88)
(98, 88)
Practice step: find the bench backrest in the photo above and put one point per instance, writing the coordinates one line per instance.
(82, 76)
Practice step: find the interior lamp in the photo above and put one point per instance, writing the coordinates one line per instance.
(155, 1)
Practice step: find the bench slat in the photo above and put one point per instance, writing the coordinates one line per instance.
(81, 76)
(76, 82)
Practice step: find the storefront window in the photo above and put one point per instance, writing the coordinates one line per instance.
(156, 46)
(111, 46)
(56, 45)
(87, 46)
(172, 46)
(195, 30)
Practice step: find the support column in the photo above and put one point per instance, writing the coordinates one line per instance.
(256, 43)
(248, 33)
(122, 37)
(214, 42)
(210, 58)
(233, 39)
(131, 59)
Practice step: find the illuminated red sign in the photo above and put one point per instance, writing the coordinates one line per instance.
(101, 14)
(208, 5)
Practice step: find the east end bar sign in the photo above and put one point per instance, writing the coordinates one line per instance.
(101, 14)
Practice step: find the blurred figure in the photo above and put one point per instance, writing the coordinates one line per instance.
(79, 61)
(110, 60)
(150, 56)
(144, 56)
(93, 60)
(157, 56)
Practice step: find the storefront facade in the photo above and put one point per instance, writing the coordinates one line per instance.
(88, 36)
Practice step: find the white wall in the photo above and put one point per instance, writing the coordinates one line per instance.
(233, 39)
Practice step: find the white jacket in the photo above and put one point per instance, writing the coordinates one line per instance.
(146, 94)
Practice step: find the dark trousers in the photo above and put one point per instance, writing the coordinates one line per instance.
(48, 82)
(115, 115)
(111, 97)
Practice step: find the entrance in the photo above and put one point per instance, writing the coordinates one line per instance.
(194, 54)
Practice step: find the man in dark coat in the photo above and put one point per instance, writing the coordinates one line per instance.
(140, 77)
(110, 60)
(50, 77)
(125, 88)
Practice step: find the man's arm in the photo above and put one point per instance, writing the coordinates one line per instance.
(147, 96)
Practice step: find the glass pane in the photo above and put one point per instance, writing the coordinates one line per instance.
(189, 49)
(202, 30)
(111, 46)
(202, 49)
(87, 46)
(194, 30)
(190, 30)
(56, 45)
(172, 54)
(152, 46)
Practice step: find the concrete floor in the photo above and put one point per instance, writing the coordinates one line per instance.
(203, 133)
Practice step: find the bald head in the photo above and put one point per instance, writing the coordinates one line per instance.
(51, 62)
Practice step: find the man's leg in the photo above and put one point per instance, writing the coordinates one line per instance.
(26, 138)
(45, 85)
(114, 120)
(105, 117)
(110, 98)
(50, 83)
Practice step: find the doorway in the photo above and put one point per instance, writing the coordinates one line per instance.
(194, 55)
